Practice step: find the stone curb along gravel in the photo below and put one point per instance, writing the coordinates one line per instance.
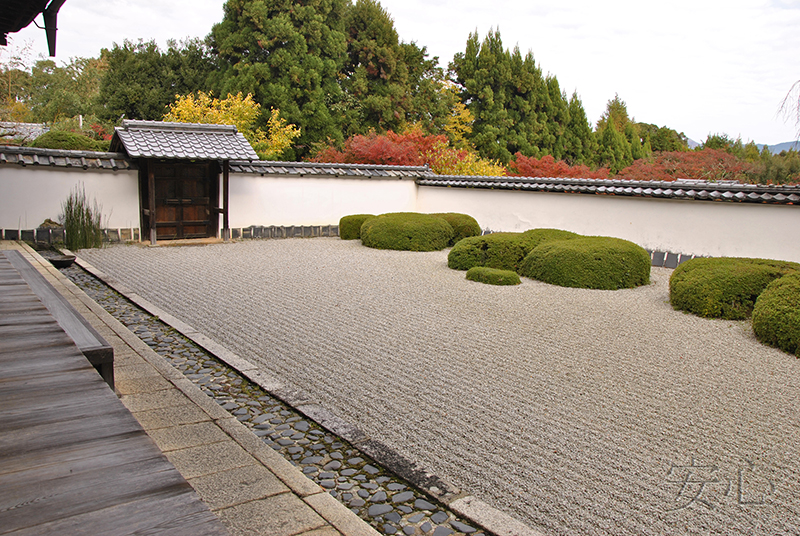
(334, 512)
(489, 518)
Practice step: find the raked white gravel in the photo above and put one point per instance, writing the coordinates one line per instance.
(578, 412)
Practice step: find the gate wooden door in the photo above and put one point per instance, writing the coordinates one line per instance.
(184, 194)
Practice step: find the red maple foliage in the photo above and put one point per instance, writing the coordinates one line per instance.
(707, 164)
(546, 166)
(408, 149)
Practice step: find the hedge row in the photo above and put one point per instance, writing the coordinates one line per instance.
(596, 262)
(776, 315)
(62, 139)
(406, 231)
(409, 231)
(723, 287)
(503, 251)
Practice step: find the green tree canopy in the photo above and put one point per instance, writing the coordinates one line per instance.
(58, 93)
(288, 55)
(663, 138)
(580, 144)
(141, 81)
(515, 108)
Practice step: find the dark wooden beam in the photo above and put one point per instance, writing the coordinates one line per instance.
(151, 197)
(226, 232)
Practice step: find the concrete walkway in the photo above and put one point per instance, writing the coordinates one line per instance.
(249, 486)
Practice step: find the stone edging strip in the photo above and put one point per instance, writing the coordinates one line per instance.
(489, 518)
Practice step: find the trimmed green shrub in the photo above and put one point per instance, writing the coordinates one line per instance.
(462, 224)
(503, 251)
(408, 231)
(776, 314)
(493, 276)
(62, 139)
(596, 262)
(350, 226)
(723, 287)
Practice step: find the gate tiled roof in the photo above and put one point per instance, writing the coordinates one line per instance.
(157, 139)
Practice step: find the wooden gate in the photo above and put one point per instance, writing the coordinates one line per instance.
(185, 199)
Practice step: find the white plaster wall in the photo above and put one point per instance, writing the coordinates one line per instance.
(256, 200)
(29, 195)
(690, 227)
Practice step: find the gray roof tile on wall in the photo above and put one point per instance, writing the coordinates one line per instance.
(31, 156)
(264, 168)
(191, 141)
(729, 191)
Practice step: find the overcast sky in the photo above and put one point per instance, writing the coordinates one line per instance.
(698, 66)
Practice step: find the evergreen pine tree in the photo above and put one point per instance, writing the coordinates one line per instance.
(288, 54)
(375, 73)
(510, 101)
(580, 144)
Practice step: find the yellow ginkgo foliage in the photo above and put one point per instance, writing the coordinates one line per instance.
(239, 111)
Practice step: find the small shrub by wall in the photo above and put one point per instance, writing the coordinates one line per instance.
(463, 225)
(595, 262)
(723, 287)
(504, 251)
(776, 314)
(492, 276)
(408, 231)
(350, 226)
(62, 139)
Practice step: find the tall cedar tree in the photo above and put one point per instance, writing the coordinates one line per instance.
(580, 145)
(388, 84)
(140, 81)
(376, 74)
(515, 108)
(288, 55)
(618, 137)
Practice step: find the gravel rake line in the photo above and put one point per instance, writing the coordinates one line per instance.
(385, 501)
(566, 408)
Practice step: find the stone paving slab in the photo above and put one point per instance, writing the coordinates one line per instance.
(249, 486)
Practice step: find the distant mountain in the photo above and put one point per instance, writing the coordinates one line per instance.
(692, 144)
(786, 146)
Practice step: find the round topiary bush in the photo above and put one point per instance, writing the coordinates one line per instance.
(462, 224)
(596, 262)
(62, 139)
(503, 251)
(776, 314)
(408, 231)
(723, 287)
(493, 276)
(350, 226)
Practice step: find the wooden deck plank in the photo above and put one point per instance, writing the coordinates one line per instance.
(138, 517)
(73, 460)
